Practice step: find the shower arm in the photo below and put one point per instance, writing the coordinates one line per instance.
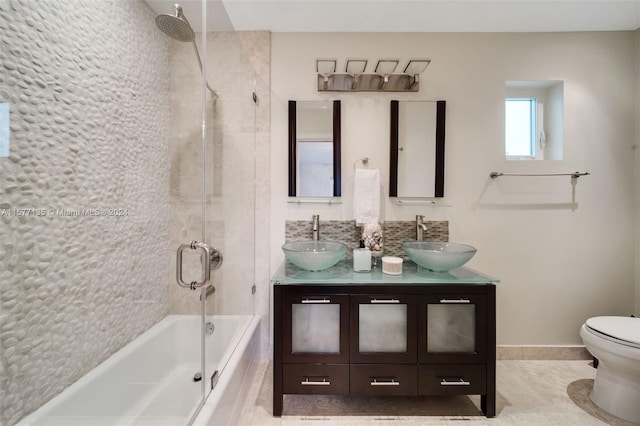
(195, 47)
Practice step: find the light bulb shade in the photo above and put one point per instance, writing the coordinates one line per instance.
(416, 66)
(326, 66)
(356, 66)
(386, 66)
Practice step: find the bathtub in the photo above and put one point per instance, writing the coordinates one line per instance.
(150, 380)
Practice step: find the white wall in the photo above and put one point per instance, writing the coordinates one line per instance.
(563, 253)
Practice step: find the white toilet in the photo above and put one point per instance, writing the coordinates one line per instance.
(615, 342)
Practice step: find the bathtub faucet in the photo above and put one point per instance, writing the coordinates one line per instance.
(421, 228)
(315, 227)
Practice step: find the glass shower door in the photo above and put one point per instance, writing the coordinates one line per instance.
(191, 245)
(212, 154)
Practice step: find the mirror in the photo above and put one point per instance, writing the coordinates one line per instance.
(417, 149)
(314, 149)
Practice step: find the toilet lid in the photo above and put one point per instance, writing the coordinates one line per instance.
(624, 329)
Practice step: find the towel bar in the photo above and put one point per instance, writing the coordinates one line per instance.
(574, 175)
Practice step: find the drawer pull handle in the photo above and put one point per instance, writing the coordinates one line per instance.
(308, 382)
(385, 301)
(459, 382)
(455, 301)
(391, 382)
(316, 300)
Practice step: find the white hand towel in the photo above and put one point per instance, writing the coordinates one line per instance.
(366, 196)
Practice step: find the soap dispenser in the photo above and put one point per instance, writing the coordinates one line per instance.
(362, 258)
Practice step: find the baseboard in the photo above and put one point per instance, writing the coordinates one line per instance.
(542, 352)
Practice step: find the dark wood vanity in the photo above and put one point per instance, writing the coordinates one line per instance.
(422, 333)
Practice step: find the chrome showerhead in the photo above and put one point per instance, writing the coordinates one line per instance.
(176, 26)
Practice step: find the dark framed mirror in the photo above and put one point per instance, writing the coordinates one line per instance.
(314, 149)
(416, 168)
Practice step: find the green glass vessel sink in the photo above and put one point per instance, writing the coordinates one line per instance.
(438, 256)
(314, 255)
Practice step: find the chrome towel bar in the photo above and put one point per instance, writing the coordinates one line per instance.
(574, 175)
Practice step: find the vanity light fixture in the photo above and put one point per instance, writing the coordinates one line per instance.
(326, 68)
(382, 79)
(415, 67)
(386, 67)
(355, 67)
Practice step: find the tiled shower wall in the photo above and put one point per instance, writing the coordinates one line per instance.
(88, 86)
(346, 231)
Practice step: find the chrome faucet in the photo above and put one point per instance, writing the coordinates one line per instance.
(315, 227)
(421, 228)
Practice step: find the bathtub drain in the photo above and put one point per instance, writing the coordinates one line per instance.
(197, 377)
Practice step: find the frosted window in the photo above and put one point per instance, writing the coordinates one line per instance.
(315, 328)
(4, 129)
(383, 328)
(451, 328)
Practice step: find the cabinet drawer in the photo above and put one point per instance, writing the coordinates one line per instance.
(383, 379)
(330, 379)
(452, 379)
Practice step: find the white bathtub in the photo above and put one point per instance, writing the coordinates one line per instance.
(150, 381)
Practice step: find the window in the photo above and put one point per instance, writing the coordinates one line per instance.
(533, 116)
(520, 127)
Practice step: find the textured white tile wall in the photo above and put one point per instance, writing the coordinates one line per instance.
(88, 83)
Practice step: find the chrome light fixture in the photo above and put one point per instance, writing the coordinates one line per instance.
(326, 68)
(355, 67)
(382, 79)
(386, 67)
(415, 67)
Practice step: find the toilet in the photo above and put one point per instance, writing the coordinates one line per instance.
(615, 342)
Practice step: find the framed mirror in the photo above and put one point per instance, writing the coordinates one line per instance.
(416, 168)
(314, 149)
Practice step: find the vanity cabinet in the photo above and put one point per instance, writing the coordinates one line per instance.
(384, 339)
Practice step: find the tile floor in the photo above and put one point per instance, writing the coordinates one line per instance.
(536, 393)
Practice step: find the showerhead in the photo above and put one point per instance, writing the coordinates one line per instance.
(176, 26)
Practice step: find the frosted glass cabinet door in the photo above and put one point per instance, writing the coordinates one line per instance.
(316, 328)
(452, 328)
(383, 328)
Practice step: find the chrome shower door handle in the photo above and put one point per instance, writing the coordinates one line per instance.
(206, 264)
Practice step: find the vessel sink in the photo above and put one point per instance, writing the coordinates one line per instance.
(438, 256)
(314, 255)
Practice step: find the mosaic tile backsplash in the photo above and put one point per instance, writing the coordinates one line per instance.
(346, 231)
